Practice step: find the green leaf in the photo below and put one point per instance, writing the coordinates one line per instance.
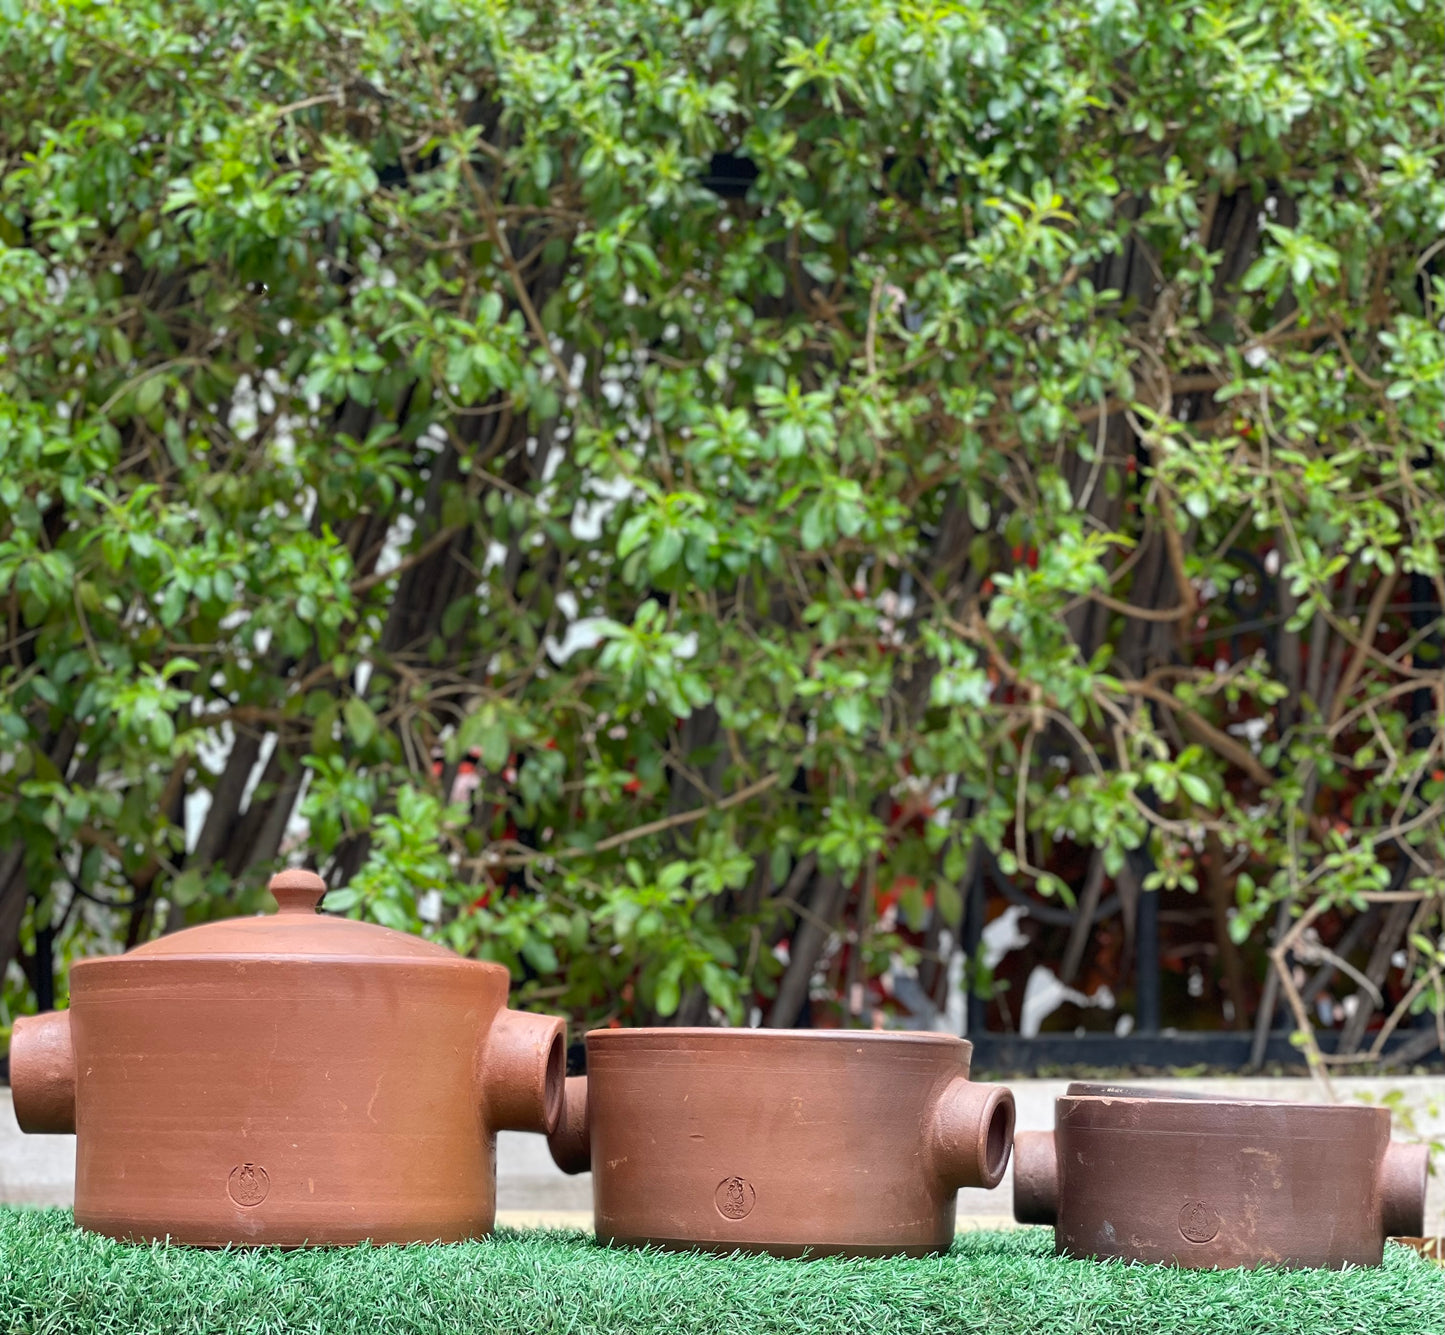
(360, 721)
(148, 394)
(949, 899)
(496, 746)
(668, 996)
(634, 534)
(1259, 273)
(814, 531)
(187, 888)
(389, 914)
(173, 604)
(1196, 787)
(540, 955)
(665, 550)
(849, 713)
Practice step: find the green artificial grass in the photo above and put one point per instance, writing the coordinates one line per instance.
(55, 1280)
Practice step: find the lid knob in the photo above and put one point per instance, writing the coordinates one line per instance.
(297, 891)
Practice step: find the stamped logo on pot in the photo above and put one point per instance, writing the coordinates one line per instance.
(248, 1184)
(735, 1198)
(1198, 1222)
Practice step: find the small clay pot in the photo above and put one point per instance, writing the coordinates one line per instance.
(289, 1080)
(782, 1141)
(1197, 1181)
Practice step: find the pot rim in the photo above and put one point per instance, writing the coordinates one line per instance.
(896, 1036)
(1226, 1102)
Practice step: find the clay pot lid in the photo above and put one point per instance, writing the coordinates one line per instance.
(297, 928)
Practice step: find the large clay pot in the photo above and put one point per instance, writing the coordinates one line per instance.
(293, 1079)
(1198, 1181)
(781, 1141)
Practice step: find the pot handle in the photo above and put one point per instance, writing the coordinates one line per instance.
(1402, 1189)
(522, 1068)
(571, 1142)
(42, 1072)
(970, 1134)
(1036, 1178)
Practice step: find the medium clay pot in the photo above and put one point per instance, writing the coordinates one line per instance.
(782, 1141)
(288, 1080)
(1197, 1181)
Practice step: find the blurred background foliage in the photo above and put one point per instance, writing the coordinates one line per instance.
(703, 504)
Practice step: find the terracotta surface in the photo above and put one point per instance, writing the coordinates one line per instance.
(781, 1141)
(293, 1079)
(1200, 1182)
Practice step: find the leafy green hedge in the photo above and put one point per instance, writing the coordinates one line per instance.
(803, 450)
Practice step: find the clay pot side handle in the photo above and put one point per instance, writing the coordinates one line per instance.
(1402, 1189)
(522, 1069)
(571, 1142)
(1036, 1178)
(42, 1072)
(970, 1134)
